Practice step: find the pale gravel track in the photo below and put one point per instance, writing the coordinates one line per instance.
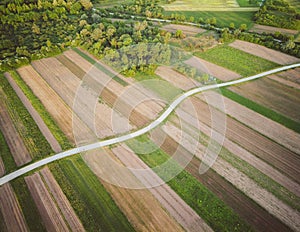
(139, 132)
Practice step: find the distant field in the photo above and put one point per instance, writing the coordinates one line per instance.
(223, 18)
(236, 60)
(196, 5)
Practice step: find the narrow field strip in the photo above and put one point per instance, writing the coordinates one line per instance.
(2, 168)
(272, 95)
(207, 205)
(264, 111)
(263, 52)
(35, 143)
(245, 207)
(141, 208)
(283, 81)
(175, 206)
(9, 206)
(12, 137)
(217, 71)
(34, 114)
(50, 214)
(90, 200)
(238, 61)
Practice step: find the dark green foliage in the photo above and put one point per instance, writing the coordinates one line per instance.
(36, 30)
(278, 13)
(6, 156)
(275, 116)
(93, 205)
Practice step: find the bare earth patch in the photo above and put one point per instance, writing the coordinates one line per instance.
(15, 143)
(177, 79)
(140, 207)
(263, 52)
(10, 209)
(273, 95)
(285, 81)
(169, 199)
(268, 29)
(215, 70)
(187, 30)
(2, 168)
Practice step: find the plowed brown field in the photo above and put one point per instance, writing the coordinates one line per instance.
(10, 209)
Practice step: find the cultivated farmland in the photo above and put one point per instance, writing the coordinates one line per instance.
(10, 209)
(187, 30)
(263, 52)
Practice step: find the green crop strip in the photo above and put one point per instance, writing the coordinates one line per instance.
(34, 140)
(90, 200)
(277, 117)
(209, 207)
(39, 107)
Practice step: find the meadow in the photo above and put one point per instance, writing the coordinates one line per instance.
(236, 60)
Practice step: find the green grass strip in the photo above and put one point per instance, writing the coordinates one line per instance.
(39, 107)
(33, 138)
(238, 61)
(6, 156)
(30, 211)
(90, 200)
(209, 207)
(100, 67)
(269, 113)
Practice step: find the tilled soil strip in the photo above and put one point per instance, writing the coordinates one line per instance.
(258, 122)
(10, 209)
(11, 135)
(252, 213)
(285, 81)
(257, 144)
(35, 115)
(264, 198)
(61, 200)
(175, 206)
(141, 208)
(2, 168)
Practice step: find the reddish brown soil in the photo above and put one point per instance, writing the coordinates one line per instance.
(10, 209)
(268, 29)
(187, 30)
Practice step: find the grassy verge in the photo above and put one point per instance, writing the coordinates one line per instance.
(6, 156)
(93, 205)
(30, 211)
(223, 18)
(100, 67)
(236, 60)
(34, 140)
(269, 113)
(212, 209)
(39, 107)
